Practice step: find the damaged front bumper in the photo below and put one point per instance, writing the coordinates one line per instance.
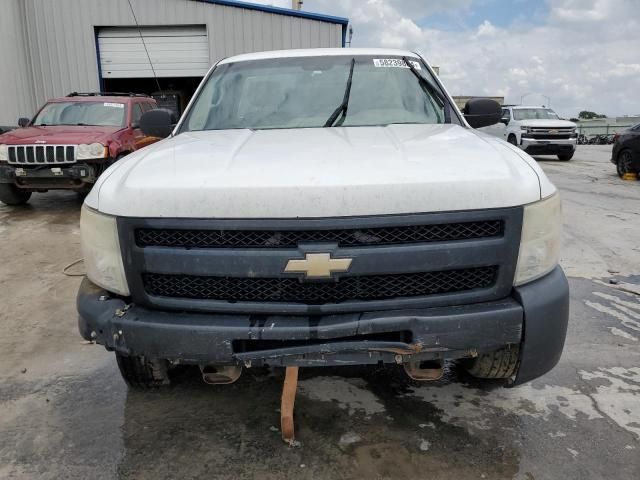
(535, 317)
(48, 176)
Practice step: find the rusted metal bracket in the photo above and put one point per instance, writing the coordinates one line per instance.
(424, 371)
(287, 403)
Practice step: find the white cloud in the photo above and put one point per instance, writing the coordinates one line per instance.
(584, 55)
(486, 29)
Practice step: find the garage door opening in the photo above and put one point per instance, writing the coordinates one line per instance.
(177, 55)
(175, 94)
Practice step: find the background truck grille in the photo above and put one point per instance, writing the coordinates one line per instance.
(148, 237)
(540, 133)
(368, 287)
(41, 154)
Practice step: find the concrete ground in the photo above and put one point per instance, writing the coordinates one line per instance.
(65, 412)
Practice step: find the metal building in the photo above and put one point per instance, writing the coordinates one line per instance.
(52, 47)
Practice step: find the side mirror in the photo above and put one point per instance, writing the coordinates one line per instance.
(482, 112)
(23, 122)
(158, 123)
(505, 120)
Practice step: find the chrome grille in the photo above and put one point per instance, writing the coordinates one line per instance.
(41, 154)
(551, 131)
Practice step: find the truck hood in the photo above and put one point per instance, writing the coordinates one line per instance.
(61, 135)
(317, 172)
(547, 123)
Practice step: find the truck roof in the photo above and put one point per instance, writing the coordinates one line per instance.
(525, 106)
(99, 98)
(318, 52)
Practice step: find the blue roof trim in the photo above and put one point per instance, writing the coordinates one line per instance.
(281, 11)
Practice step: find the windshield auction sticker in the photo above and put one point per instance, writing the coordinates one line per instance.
(114, 105)
(394, 63)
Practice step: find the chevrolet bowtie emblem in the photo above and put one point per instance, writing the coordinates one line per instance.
(318, 265)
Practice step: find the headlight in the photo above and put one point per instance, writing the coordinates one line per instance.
(540, 241)
(4, 153)
(101, 251)
(87, 152)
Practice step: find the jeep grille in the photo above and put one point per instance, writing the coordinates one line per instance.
(41, 154)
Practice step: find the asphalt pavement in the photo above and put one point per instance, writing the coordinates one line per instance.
(66, 413)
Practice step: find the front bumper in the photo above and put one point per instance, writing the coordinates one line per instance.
(535, 146)
(48, 176)
(535, 316)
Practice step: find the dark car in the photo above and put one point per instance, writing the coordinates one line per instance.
(626, 151)
(69, 143)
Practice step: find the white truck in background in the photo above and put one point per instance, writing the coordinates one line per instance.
(536, 130)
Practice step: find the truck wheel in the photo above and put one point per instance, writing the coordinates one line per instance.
(501, 363)
(623, 165)
(12, 195)
(512, 140)
(143, 373)
(565, 157)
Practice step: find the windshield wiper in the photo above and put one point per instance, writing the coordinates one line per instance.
(342, 108)
(426, 84)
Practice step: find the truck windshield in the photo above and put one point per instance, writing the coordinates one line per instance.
(305, 91)
(104, 114)
(534, 114)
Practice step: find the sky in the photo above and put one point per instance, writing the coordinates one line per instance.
(581, 54)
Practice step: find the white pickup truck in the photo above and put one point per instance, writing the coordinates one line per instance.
(536, 130)
(322, 208)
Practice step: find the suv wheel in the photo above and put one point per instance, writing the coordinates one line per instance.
(565, 157)
(502, 363)
(12, 195)
(624, 163)
(143, 373)
(512, 140)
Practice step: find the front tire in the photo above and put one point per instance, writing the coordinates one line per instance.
(565, 157)
(143, 373)
(624, 163)
(12, 195)
(499, 364)
(512, 140)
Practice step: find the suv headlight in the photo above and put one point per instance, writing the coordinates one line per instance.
(101, 251)
(94, 150)
(4, 153)
(540, 241)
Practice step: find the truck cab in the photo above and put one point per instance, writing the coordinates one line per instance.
(324, 207)
(536, 130)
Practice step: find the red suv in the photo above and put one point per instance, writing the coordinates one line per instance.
(70, 142)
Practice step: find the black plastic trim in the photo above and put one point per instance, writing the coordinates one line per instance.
(535, 316)
(207, 338)
(371, 260)
(546, 315)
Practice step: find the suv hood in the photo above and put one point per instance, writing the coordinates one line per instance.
(547, 123)
(62, 135)
(317, 172)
